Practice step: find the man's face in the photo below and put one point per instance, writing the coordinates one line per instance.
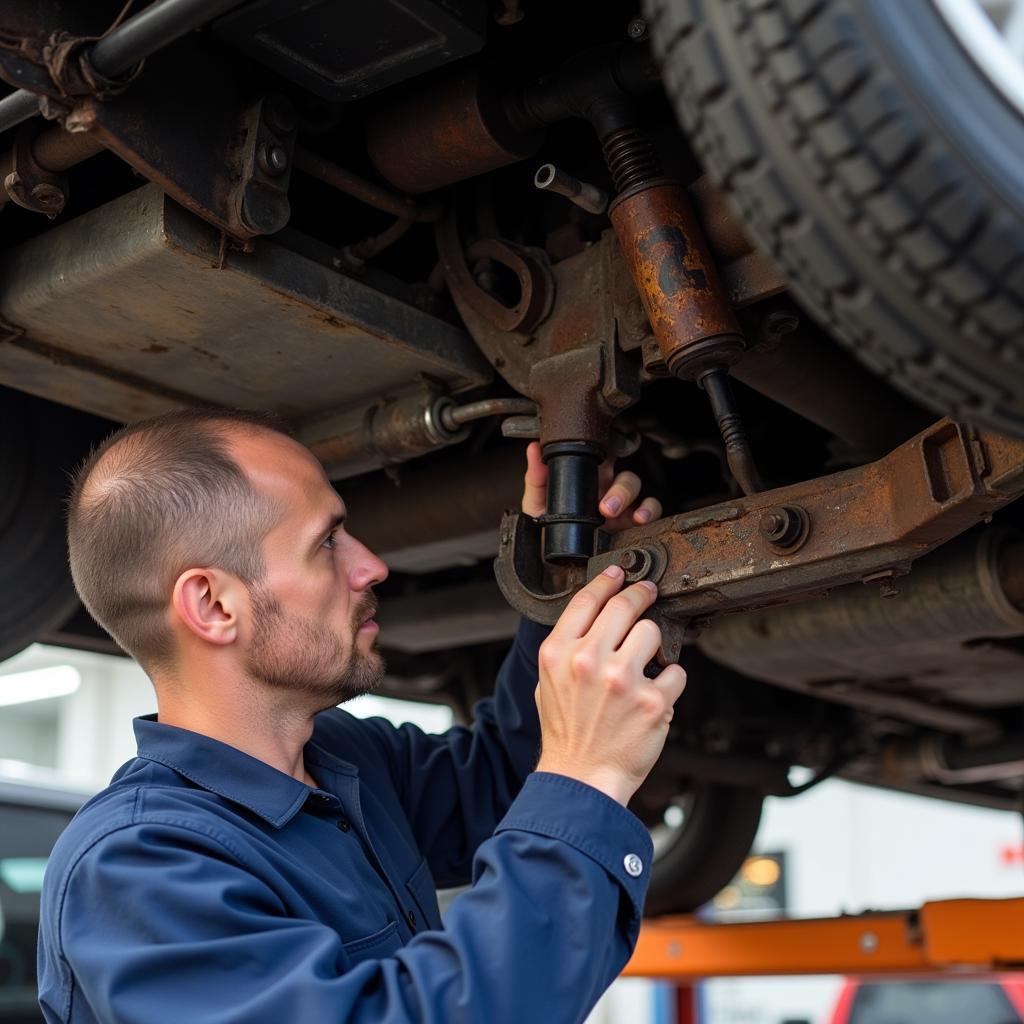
(311, 628)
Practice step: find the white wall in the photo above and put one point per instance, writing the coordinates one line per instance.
(852, 849)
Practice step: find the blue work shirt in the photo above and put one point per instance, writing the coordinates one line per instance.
(204, 886)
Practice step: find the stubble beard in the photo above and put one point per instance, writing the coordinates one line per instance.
(307, 658)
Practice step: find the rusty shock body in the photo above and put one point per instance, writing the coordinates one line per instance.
(684, 299)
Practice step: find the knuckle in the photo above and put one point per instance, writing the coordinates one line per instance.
(621, 602)
(583, 662)
(651, 704)
(648, 629)
(615, 678)
(549, 655)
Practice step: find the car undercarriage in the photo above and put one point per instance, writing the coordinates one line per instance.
(742, 249)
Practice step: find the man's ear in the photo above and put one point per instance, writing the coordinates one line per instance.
(207, 602)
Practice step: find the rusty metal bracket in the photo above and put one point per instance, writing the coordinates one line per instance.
(536, 285)
(868, 523)
(207, 138)
(260, 202)
(29, 184)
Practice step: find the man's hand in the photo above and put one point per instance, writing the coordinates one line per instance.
(602, 720)
(618, 501)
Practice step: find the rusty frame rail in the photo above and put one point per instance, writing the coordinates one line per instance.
(868, 524)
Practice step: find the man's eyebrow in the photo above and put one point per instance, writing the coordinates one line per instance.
(332, 522)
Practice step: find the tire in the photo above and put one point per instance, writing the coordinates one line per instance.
(695, 860)
(40, 444)
(876, 163)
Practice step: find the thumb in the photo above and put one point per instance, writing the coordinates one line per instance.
(535, 482)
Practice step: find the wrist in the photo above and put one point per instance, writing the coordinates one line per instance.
(612, 784)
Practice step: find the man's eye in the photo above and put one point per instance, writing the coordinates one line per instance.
(331, 539)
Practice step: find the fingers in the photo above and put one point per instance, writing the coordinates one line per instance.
(647, 511)
(617, 617)
(642, 643)
(625, 489)
(535, 482)
(582, 611)
(670, 681)
(616, 505)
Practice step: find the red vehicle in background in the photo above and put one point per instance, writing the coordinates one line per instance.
(990, 999)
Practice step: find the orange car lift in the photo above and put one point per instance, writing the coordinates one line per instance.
(968, 935)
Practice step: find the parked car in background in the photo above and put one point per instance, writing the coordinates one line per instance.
(993, 999)
(32, 815)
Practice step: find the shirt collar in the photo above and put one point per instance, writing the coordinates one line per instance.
(226, 770)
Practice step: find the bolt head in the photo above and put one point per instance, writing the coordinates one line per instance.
(630, 560)
(773, 524)
(49, 196)
(272, 159)
(637, 29)
(785, 526)
(779, 323)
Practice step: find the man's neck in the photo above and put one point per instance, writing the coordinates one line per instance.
(243, 717)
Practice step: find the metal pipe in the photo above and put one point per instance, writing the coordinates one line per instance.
(54, 150)
(18, 107)
(857, 649)
(953, 760)
(455, 416)
(550, 178)
(359, 440)
(453, 523)
(355, 255)
(377, 196)
(153, 28)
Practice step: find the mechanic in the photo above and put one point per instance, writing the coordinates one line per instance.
(268, 858)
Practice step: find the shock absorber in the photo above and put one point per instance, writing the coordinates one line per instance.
(688, 308)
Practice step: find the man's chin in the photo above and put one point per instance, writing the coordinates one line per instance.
(361, 677)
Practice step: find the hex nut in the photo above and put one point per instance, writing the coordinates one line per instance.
(272, 159)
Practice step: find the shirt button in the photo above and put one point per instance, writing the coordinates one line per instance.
(411, 918)
(344, 824)
(634, 865)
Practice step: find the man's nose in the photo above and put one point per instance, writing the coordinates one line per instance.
(367, 568)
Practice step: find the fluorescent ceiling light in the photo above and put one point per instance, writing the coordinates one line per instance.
(39, 684)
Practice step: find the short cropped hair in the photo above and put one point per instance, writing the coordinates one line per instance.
(156, 498)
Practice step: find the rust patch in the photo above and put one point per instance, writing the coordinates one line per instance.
(676, 278)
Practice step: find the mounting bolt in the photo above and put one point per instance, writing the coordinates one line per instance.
(779, 323)
(272, 159)
(637, 29)
(636, 564)
(631, 560)
(48, 196)
(785, 527)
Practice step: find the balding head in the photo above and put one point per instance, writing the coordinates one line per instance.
(155, 499)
